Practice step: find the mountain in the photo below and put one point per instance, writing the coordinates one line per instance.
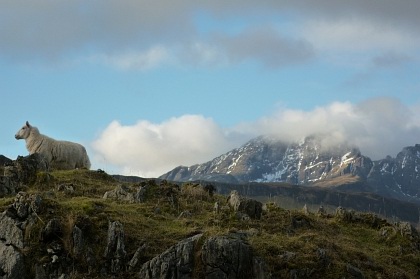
(311, 162)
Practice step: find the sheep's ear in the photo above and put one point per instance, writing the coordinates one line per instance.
(27, 124)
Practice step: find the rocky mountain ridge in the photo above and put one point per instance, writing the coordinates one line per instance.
(310, 163)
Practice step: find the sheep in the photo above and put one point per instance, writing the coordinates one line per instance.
(60, 155)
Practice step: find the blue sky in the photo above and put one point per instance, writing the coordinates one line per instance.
(150, 85)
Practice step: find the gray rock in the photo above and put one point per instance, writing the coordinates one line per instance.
(115, 249)
(343, 214)
(134, 262)
(10, 232)
(121, 193)
(250, 207)
(7, 186)
(12, 264)
(140, 195)
(321, 211)
(226, 257)
(234, 200)
(176, 262)
(406, 230)
(78, 243)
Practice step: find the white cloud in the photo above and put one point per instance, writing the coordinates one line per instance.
(150, 149)
(379, 127)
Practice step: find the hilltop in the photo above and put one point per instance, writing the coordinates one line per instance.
(88, 224)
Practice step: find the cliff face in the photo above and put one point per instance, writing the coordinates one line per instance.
(309, 162)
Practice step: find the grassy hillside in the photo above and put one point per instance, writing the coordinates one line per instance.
(294, 244)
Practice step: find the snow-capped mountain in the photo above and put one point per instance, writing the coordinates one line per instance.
(310, 162)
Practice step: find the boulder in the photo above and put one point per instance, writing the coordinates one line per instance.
(12, 264)
(250, 207)
(120, 193)
(115, 249)
(7, 186)
(226, 257)
(10, 231)
(176, 262)
(24, 169)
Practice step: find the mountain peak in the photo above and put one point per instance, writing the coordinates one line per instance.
(311, 161)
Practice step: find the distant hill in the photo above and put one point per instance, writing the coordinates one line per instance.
(310, 163)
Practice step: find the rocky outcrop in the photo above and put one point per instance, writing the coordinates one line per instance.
(221, 257)
(124, 193)
(226, 257)
(252, 208)
(115, 254)
(12, 265)
(13, 222)
(177, 262)
(19, 173)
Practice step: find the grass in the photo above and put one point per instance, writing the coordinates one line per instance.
(289, 241)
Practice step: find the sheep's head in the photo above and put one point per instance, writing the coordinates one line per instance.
(24, 132)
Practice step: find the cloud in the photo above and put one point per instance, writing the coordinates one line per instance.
(135, 60)
(390, 60)
(150, 149)
(266, 45)
(379, 127)
(263, 45)
(50, 30)
(358, 35)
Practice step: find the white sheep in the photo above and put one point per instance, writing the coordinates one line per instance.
(62, 155)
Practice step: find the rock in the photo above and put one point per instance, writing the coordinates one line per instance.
(260, 269)
(176, 262)
(12, 264)
(250, 207)
(321, 211)
(354, 272)
(115, 249)
(51, 231)
(66, 188)
(226, 257)
(234, 200)
(10, 232)
(140, 195)
(7, 186)
(342, 214)
(120, 193)
(24, 169)
(78, 243)
(406, 230)
(24, 205)
(133, 263)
